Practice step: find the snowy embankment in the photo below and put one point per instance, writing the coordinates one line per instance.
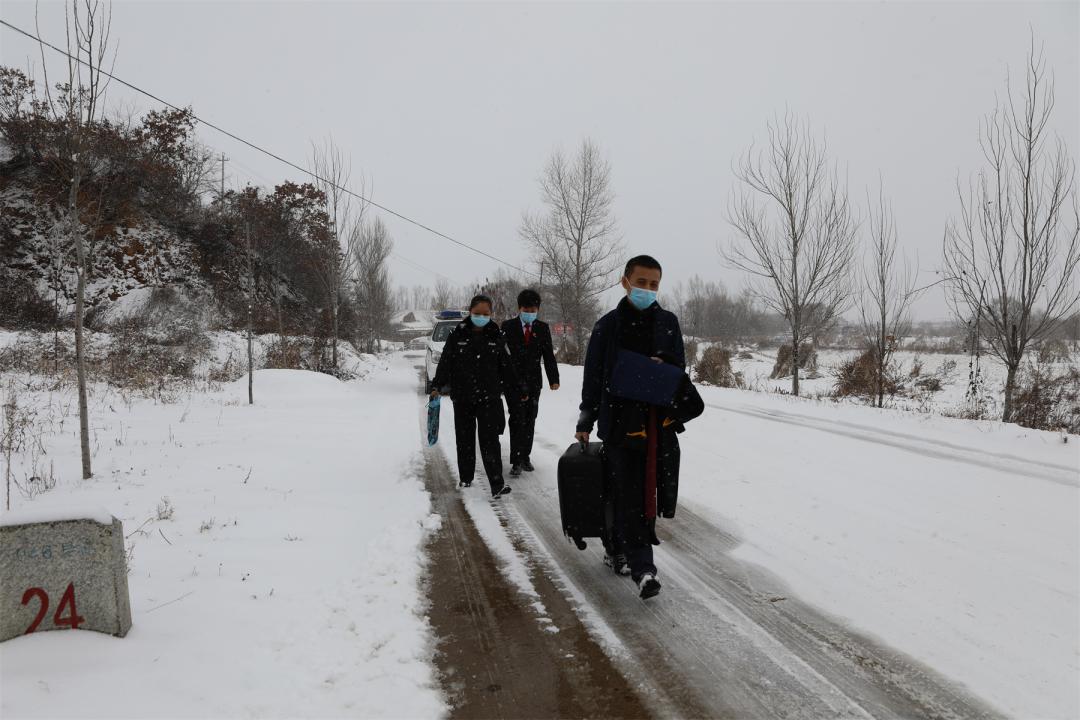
(952, 541)
(276, 555)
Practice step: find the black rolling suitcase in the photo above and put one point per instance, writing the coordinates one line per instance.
(581, 492)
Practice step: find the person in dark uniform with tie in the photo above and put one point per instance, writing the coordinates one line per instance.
(529, 342)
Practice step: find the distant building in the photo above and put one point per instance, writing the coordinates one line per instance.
(409, 324)
(562, 329)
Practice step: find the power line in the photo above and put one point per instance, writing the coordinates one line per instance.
(268, 153)
(417, 266)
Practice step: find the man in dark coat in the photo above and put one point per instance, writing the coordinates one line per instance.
(475, 368)
(641, 450)
(529, 342)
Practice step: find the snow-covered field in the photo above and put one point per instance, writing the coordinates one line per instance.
(951, 370)
(276, 554)
(953, 541)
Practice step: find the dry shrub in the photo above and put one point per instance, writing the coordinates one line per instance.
(34, 354)
(808, 361)
(22, 307)
(286, 354)
(567, 352)
(951, 345)
(714, 368)
(1054, 351)
(929, 383)
(690, 348)
(973, 409)
(858, 377)
(1045, 401)
(156, 363)
(232, 369)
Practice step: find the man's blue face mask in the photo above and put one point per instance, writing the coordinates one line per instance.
(528, 317)
(480, 320)
(642, 298)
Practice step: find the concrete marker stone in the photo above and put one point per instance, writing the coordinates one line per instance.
(59, 573)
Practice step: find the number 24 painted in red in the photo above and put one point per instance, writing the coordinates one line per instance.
(73, 619)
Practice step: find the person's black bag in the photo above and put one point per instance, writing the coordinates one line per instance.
(639, 377)
(687, 403)
(581, 492)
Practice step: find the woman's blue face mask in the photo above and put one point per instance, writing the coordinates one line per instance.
(642, 298)
(480, 320)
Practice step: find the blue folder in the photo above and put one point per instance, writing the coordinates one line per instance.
(639, 377)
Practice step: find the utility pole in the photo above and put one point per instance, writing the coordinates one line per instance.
(222, 196)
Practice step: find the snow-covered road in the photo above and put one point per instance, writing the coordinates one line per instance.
(838, 561)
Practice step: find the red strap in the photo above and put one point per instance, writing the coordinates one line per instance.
(650, 466)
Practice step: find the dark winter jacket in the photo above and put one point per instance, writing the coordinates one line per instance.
(475, 365)
(527, 357)
(654, 332)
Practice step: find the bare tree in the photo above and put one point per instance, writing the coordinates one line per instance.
(1012, 256)
(503, 288)
(401, 298)
(576, 238)
(795, 231)
(334, 265)
(75, 105)
(421, 297)
(372, 248)
(442, 294)
(196, 172)
(887, 293)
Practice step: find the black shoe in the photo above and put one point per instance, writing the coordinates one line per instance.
(617, 563)
(527, 466)
(500, 491)
(649, 585)
(515, 471)
(465, 484)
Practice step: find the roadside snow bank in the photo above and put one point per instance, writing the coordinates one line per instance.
(276, 555)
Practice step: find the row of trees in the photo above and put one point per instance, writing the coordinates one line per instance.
(303, 258)
(1009, 266)
(1010, 260)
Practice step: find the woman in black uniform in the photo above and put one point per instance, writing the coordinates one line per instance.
(475, 369)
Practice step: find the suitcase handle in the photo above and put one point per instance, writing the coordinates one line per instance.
(583, 445)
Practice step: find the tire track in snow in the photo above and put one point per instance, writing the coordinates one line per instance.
(924, 447)
(720, 633)
(494, 659)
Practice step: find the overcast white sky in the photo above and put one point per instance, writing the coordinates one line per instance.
(452, 109)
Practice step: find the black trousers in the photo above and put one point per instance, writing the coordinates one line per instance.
(486, 421)
(630, 532)
(522, 426)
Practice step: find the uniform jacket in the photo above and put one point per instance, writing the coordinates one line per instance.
(527, 358)
(475, 365)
